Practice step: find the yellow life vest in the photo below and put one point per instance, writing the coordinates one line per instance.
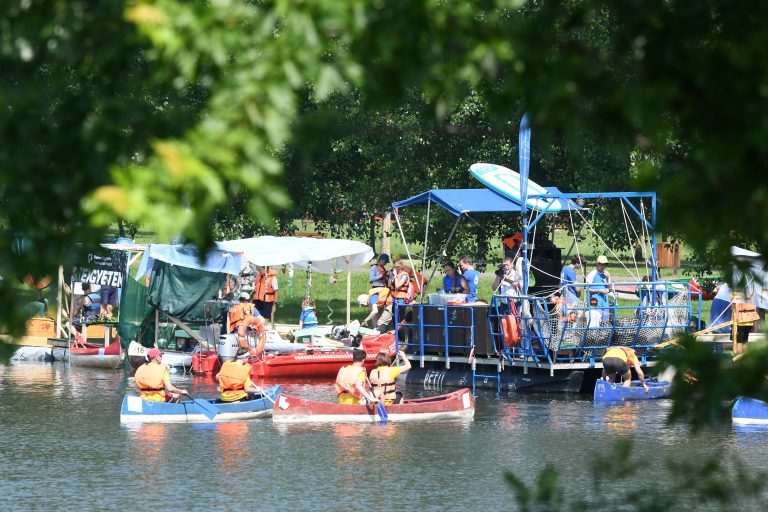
(150, 379)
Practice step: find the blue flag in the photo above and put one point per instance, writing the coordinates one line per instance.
(524, 149)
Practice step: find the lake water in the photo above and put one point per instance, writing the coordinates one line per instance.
(64, 448)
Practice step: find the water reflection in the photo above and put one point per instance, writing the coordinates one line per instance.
(148, 446)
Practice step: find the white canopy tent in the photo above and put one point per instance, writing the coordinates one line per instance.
(324, 255)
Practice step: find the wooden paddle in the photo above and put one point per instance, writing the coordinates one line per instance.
(208, 409)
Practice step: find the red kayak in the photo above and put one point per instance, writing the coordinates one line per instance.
(456, 405)
(312, 363)
(97, 356)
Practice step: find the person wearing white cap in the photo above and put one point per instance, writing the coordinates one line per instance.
(599, 282)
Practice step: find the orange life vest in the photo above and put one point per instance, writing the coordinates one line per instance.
(149, 379)
(382, 273)
(400, 285)
(232, 379)
(264, 290)
(416, 283)
(511, 330)
(385, 297)
(347, 379)
(238, 313)
(382, 382)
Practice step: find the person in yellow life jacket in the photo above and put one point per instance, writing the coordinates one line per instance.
(383, 377)
(617, 362)
(380, 301)
(265, 292)
(244, 315)
(234, 378)
(400, 283)
(352, 381)
(153, 380)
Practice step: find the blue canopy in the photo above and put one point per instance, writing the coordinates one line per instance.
(463, 200)
(474, 200)
(186, 256)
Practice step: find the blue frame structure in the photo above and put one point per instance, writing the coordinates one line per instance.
(574, 340)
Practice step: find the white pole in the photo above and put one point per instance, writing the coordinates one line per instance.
(349, 286)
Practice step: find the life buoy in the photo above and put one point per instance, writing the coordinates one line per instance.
(510, 330)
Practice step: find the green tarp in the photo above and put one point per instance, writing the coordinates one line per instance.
(174, 290)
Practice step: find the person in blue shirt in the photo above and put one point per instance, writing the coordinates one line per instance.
(599, 289)
(471, 275)
(308, 317)
(568, 280)
(453, 282)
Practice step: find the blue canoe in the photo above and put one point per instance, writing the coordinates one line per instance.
(750, 411)
(610, 392)
(138, 410)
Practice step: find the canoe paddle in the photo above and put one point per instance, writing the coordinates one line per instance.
(208, 409)
(382, 412)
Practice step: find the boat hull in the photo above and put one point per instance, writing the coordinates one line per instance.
(321, 365)
(95, 356)
(749, 411)
(456, 405)
(137, 410)
(612, 392)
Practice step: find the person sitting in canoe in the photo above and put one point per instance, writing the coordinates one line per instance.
(234, 378)
(616, 361)
(244, 315)
(383, 377)
(154, 382)
(352, 381)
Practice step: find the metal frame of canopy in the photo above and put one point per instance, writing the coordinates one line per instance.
(461, 202)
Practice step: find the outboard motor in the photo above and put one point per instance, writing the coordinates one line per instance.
(228, 345)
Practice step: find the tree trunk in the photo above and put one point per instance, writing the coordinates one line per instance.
(120, 228)
(372, 233)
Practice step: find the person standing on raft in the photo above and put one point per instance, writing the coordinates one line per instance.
(242, 316)
(154, 382)
(352, 381)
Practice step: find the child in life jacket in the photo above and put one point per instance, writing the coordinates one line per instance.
(308, 317)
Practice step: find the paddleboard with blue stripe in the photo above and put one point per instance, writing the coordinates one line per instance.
(507, 183)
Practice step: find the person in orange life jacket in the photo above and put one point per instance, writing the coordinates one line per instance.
(453, 282)
(616, 362)
(378, 275)
(380, 301)
(265, 292)
(244, 315)
(383, 377)
(400, 283)
(153, 380)
(352, 381)
(308, 317)
(471, 275)
(234, 379)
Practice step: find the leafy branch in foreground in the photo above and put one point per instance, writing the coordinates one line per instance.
(712, 484)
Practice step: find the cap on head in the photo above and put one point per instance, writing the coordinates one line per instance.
(384, 257)
(362, 299)
(154, 352)
(602, 259)
(244, 296)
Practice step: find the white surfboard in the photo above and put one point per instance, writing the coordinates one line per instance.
(507, 183)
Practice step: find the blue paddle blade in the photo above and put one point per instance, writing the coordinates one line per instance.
(382, 412)
(208, 409)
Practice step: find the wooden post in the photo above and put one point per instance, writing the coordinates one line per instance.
(734, 325)
(386, 227)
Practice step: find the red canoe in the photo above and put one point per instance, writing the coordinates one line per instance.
(319, 363)
(456, 405)
(315, 365)
(97, 356)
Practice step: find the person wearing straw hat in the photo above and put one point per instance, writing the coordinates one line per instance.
(154, 382)
(598, 282)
